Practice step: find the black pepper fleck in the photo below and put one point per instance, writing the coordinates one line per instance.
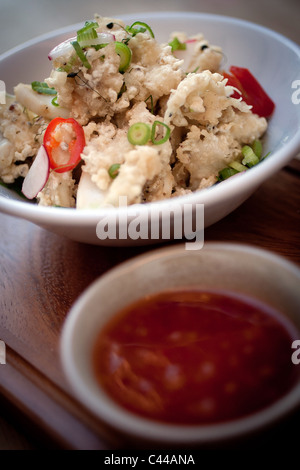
(72, 74)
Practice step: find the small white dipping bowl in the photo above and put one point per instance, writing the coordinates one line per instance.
(273, 59)
(239, 268)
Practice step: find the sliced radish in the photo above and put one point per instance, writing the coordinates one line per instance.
(66, 46)
(61, 49)
(37, 175)
(186, 54)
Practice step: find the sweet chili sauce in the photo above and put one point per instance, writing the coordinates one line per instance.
(194, 357)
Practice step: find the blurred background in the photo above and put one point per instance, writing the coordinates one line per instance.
(22, 20)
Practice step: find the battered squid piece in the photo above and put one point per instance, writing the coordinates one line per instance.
(218, 126)
(115, 77)
(20, 139)
(154, 73)
(59, 190)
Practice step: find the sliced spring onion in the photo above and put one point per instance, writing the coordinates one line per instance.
(135, 31)
(87, 36)
(257, 148)
(153, 133)
(252, 156)
(150, 97)
(139, 133)
(122, 90)
(88, 40)
(176, 45)
(54, 101)
(250, 159)
(262, 158)
(125, 55)
(89, 25)
(113, 171)
(42, 87)
(81, 54)
(226, 173)
(237, 166)
(142, 28)
(69, 65)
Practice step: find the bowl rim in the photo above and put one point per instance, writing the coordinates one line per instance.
(250, 179)
(135, 426)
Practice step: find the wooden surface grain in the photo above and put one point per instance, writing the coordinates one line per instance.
(43, 274)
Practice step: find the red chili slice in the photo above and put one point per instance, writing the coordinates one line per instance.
(252, 92)
(64, 141)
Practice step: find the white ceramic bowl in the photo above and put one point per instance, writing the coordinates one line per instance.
(244, 269)
(272, 58)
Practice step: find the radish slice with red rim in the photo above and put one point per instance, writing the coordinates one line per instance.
(37, 175)
(66, 46)
(61, 49)
(187, 53)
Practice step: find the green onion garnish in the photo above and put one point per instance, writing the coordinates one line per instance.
(54, 101)
(257, 148)
(226, 173)
(265, 156)
(81, 54)
(125, 55)
(139, 133)
(85, 38)
(177, 45)
(122, 90)
(42, 87)
(250, 159)
(143, 27)
(113, 171)
(150, 97)
(153, 132)
(252, 156)
(237, 166)
(87, 27)
(135, 31)
(69, 65)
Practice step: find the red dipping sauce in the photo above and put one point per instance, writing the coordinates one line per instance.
(193, 357)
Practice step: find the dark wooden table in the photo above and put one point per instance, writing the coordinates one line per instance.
(42, 275)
